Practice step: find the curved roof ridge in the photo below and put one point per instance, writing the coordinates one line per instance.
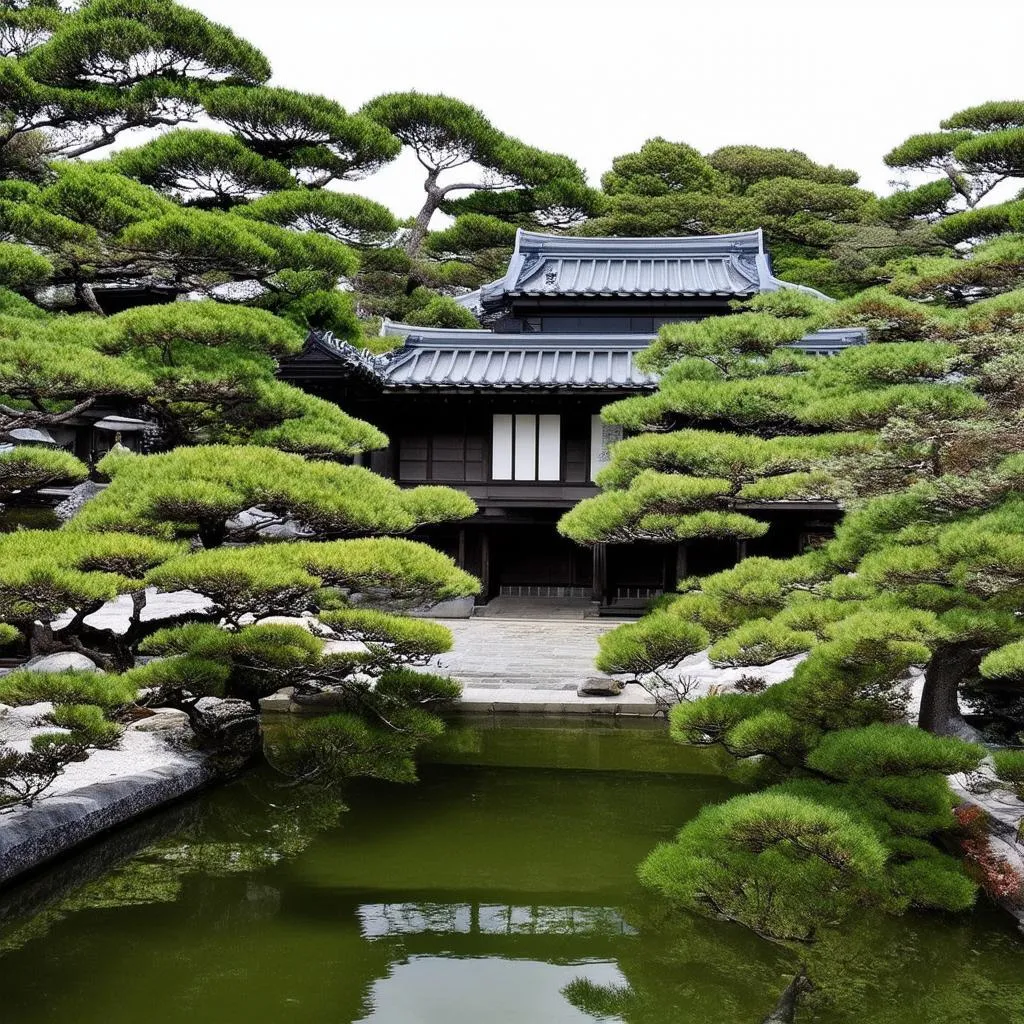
(445, 336)
(540, 241)
(393, 329)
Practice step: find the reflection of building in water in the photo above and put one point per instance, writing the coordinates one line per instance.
(382, 920)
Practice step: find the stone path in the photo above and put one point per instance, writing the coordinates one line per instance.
(532, 665)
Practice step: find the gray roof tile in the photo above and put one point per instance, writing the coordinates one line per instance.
(731, 266)
(464, 359)
(434, 357)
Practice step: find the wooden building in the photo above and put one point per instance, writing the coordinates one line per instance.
(510, 413)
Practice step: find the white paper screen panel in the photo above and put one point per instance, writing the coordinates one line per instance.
(549, 447)
(501, 448)
(526, 447)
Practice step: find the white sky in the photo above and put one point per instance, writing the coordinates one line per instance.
(843, 81)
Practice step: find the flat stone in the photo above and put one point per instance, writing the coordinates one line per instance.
(344, 647)
(162, 720)
(457, 608)
(600, 686)
(285, 620)
(61, 662)
(280, 702)
(108, 788)
(227, 726)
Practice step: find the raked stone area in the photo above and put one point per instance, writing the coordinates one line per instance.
(149, 768)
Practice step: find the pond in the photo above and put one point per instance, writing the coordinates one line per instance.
(500, 888)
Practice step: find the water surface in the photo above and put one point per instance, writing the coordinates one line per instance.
(501, 888)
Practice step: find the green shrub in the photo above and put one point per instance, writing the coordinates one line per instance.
(401, 636)
(657, 642)
(935, 884)
(1009, 766)
(889, 750)
(781, 864)
(198, 676)
(107, 691)
(88, 725)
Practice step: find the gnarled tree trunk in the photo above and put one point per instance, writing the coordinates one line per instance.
(940, 707)
(422, 226)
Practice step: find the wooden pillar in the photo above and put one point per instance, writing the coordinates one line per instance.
(391, 461)
(741, 550)
(485, 566)
(599, 588)
(682, 569)
(460, 558)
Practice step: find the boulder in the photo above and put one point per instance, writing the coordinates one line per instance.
(252, 519)
(162, 720)
(306, 622)
(600, 686)
(61, 662)
(228, 727)
(279, 702)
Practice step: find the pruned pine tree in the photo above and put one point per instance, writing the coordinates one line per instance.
(974, 151)
(447, 135)
(696, 477)
(204, 492)
(196, 214)
(76, 81)
(920, 590)
(204, 371)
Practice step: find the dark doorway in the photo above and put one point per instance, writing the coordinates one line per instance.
(536, 561)
(639, 572)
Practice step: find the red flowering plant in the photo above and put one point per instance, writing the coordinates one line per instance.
(996, 875)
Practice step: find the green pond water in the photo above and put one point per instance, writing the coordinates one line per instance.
(500, 888)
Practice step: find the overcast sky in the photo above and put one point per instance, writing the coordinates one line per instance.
(843, 81)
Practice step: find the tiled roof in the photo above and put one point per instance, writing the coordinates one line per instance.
(520, 361)
(436, 357)
(726, 266)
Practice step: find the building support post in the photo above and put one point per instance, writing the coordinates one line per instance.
(460, 558)
(741, 550)
(599, 590)
(485, 566)
(682, 569)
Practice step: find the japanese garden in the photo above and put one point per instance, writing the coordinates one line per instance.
(571, 599)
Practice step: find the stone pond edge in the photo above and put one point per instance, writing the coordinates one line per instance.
(33, 836)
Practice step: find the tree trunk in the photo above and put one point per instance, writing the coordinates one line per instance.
(940, 707)
(422, 225)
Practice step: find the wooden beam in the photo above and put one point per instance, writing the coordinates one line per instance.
(599, 587)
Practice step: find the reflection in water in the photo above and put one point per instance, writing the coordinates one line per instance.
(381, 920)
(480, 894)
(482, 989)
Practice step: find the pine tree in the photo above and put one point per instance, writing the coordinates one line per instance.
(823, 231)
(923, 575)
(446, 134)
(237, 221)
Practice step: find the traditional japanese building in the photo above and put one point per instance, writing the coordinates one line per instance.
(510, 413)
